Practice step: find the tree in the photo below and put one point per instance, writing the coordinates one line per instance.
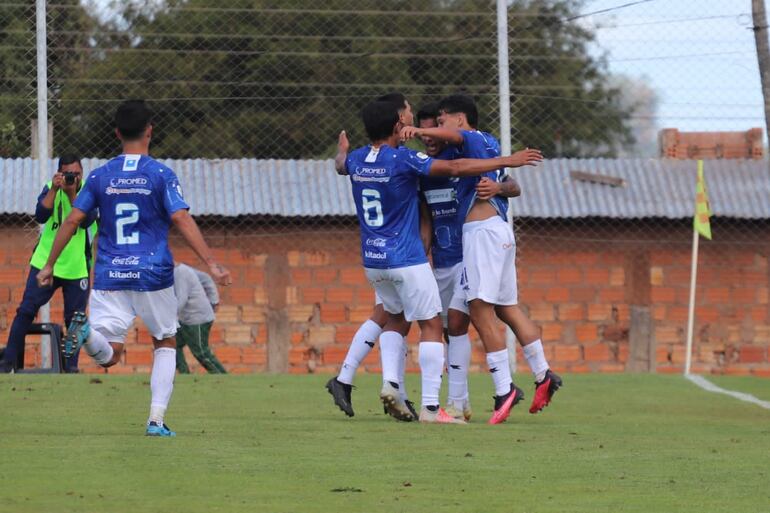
(277, 79)
(68, 26)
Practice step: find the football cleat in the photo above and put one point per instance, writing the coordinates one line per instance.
(394, 403)
(341, 394)
(410, 406)
(155, 429)
(440, 416)
(544, 391)
(77, 334)
(505, 403)
(460, 413)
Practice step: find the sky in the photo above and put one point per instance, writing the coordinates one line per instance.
(698, 55)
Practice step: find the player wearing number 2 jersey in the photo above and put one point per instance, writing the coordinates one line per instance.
(138, 199)
(384, 180)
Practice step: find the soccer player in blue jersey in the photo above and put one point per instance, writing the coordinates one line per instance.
(445, 226)
(489, 263)
(138, 199)
(341, 386)
(384, 179)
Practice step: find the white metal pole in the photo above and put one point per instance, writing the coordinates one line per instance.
(504, 92)
(691, 310)
(42, 138)
(504, 84)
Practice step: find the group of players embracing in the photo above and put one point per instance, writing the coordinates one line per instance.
(450, 202)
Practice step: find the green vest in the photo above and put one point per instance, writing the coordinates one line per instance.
(74, 262)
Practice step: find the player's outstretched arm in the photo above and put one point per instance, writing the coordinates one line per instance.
(63, 236)
(473, 167)
(192, 234)
(445, 134)
(343, 146)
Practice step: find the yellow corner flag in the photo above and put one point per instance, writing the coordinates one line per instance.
(701, 221)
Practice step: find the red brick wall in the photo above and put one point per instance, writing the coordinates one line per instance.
(578, 280)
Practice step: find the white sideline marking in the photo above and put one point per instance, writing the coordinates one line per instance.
(711, 387)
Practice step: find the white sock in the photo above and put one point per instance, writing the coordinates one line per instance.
(535, 356)
(161, 382)
(500, 370)
(458, 361)
(431, 368)
(402, 370)
(363, 342)
(98, 347)
(391, 344)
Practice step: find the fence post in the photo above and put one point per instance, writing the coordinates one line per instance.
(42, 139)
(504, 92)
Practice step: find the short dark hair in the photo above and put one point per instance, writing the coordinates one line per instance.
(397, 98)
(427, 111)
(131, 118)
(68, 158)
(379, 119)
(460, 103)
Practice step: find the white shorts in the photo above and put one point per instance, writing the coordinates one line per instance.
(377, 299)
(489, 260)
(112, 312)
(446, 279)
(411, 290)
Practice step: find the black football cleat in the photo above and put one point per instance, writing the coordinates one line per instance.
(341, 394)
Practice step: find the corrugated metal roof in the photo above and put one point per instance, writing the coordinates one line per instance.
(292, 188)
(653, 188)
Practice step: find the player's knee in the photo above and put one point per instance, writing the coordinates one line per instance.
(457, 323)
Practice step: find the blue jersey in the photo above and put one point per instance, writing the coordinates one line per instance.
(136, 196)
(479, 145)
(384, 185)
(440, 193)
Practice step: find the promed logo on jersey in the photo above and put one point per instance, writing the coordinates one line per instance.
(131, 162)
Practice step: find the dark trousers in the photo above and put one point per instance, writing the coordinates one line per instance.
(196, 337)
(75, 294)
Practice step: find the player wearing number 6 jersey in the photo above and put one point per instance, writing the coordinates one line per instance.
(384, 180)
(138, 199)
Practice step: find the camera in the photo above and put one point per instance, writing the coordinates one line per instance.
(69, 178)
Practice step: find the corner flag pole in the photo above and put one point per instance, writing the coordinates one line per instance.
(701, 226)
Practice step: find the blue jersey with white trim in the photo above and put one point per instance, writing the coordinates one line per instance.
(479, 145)
(384, 184)
(136, 196)
(440, 193)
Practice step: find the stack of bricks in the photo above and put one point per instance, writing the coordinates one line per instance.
(297, 299)
(711, 145)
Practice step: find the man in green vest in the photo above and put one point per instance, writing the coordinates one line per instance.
(71, 269)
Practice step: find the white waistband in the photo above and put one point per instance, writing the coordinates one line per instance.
(485, 223)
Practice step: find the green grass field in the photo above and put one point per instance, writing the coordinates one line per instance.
(265, 443)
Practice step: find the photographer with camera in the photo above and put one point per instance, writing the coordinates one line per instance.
(71, 270)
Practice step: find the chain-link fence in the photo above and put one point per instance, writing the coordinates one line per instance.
(250, 95)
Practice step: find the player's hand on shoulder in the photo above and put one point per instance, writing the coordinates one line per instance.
(220, 274)
(409, 132)
(45, 277)
(487, 188)
(528, 157)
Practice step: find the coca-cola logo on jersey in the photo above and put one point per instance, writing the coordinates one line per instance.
(129, 260)
(376, 242)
